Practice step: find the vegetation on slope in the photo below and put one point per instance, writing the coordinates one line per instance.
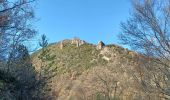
(85, 73)
(72, 58)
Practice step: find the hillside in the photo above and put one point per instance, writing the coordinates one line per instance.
(103, 72)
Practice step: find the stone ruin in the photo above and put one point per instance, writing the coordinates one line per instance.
(61, 45)
(100, 45)
(77, 41)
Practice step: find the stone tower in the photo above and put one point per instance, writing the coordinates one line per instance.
(61, 45)
(100, 45)
(77, 43)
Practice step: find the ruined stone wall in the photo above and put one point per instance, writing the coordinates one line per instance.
(77, 41)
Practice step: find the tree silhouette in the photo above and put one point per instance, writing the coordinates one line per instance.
(148, 32)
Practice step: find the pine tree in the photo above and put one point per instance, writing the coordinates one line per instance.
(47, 70)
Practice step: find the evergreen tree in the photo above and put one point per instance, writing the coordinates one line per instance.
(47, 69)
(23, 72)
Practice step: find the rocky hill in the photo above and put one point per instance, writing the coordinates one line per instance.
(96, 72)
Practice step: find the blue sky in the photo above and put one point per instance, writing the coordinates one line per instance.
(90, 20)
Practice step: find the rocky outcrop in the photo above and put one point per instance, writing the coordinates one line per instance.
(100, 45)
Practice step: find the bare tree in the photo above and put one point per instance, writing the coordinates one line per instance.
(15, 28)
(109, 85)
(23, 75)
(15, 24)
(148, 32)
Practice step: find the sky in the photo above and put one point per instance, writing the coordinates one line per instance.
(90, 20)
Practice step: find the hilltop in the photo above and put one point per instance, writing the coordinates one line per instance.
(96, 72)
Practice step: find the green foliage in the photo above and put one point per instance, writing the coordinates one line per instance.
(47, 71)
(47, 61)
(100, 96)
(72, 58)
(19, 82)
(43, 43)
(1, 84)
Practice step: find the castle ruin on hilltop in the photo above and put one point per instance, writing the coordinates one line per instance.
(76, 41)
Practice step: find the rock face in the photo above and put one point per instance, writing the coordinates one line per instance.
(82, 42)
(100, 45)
